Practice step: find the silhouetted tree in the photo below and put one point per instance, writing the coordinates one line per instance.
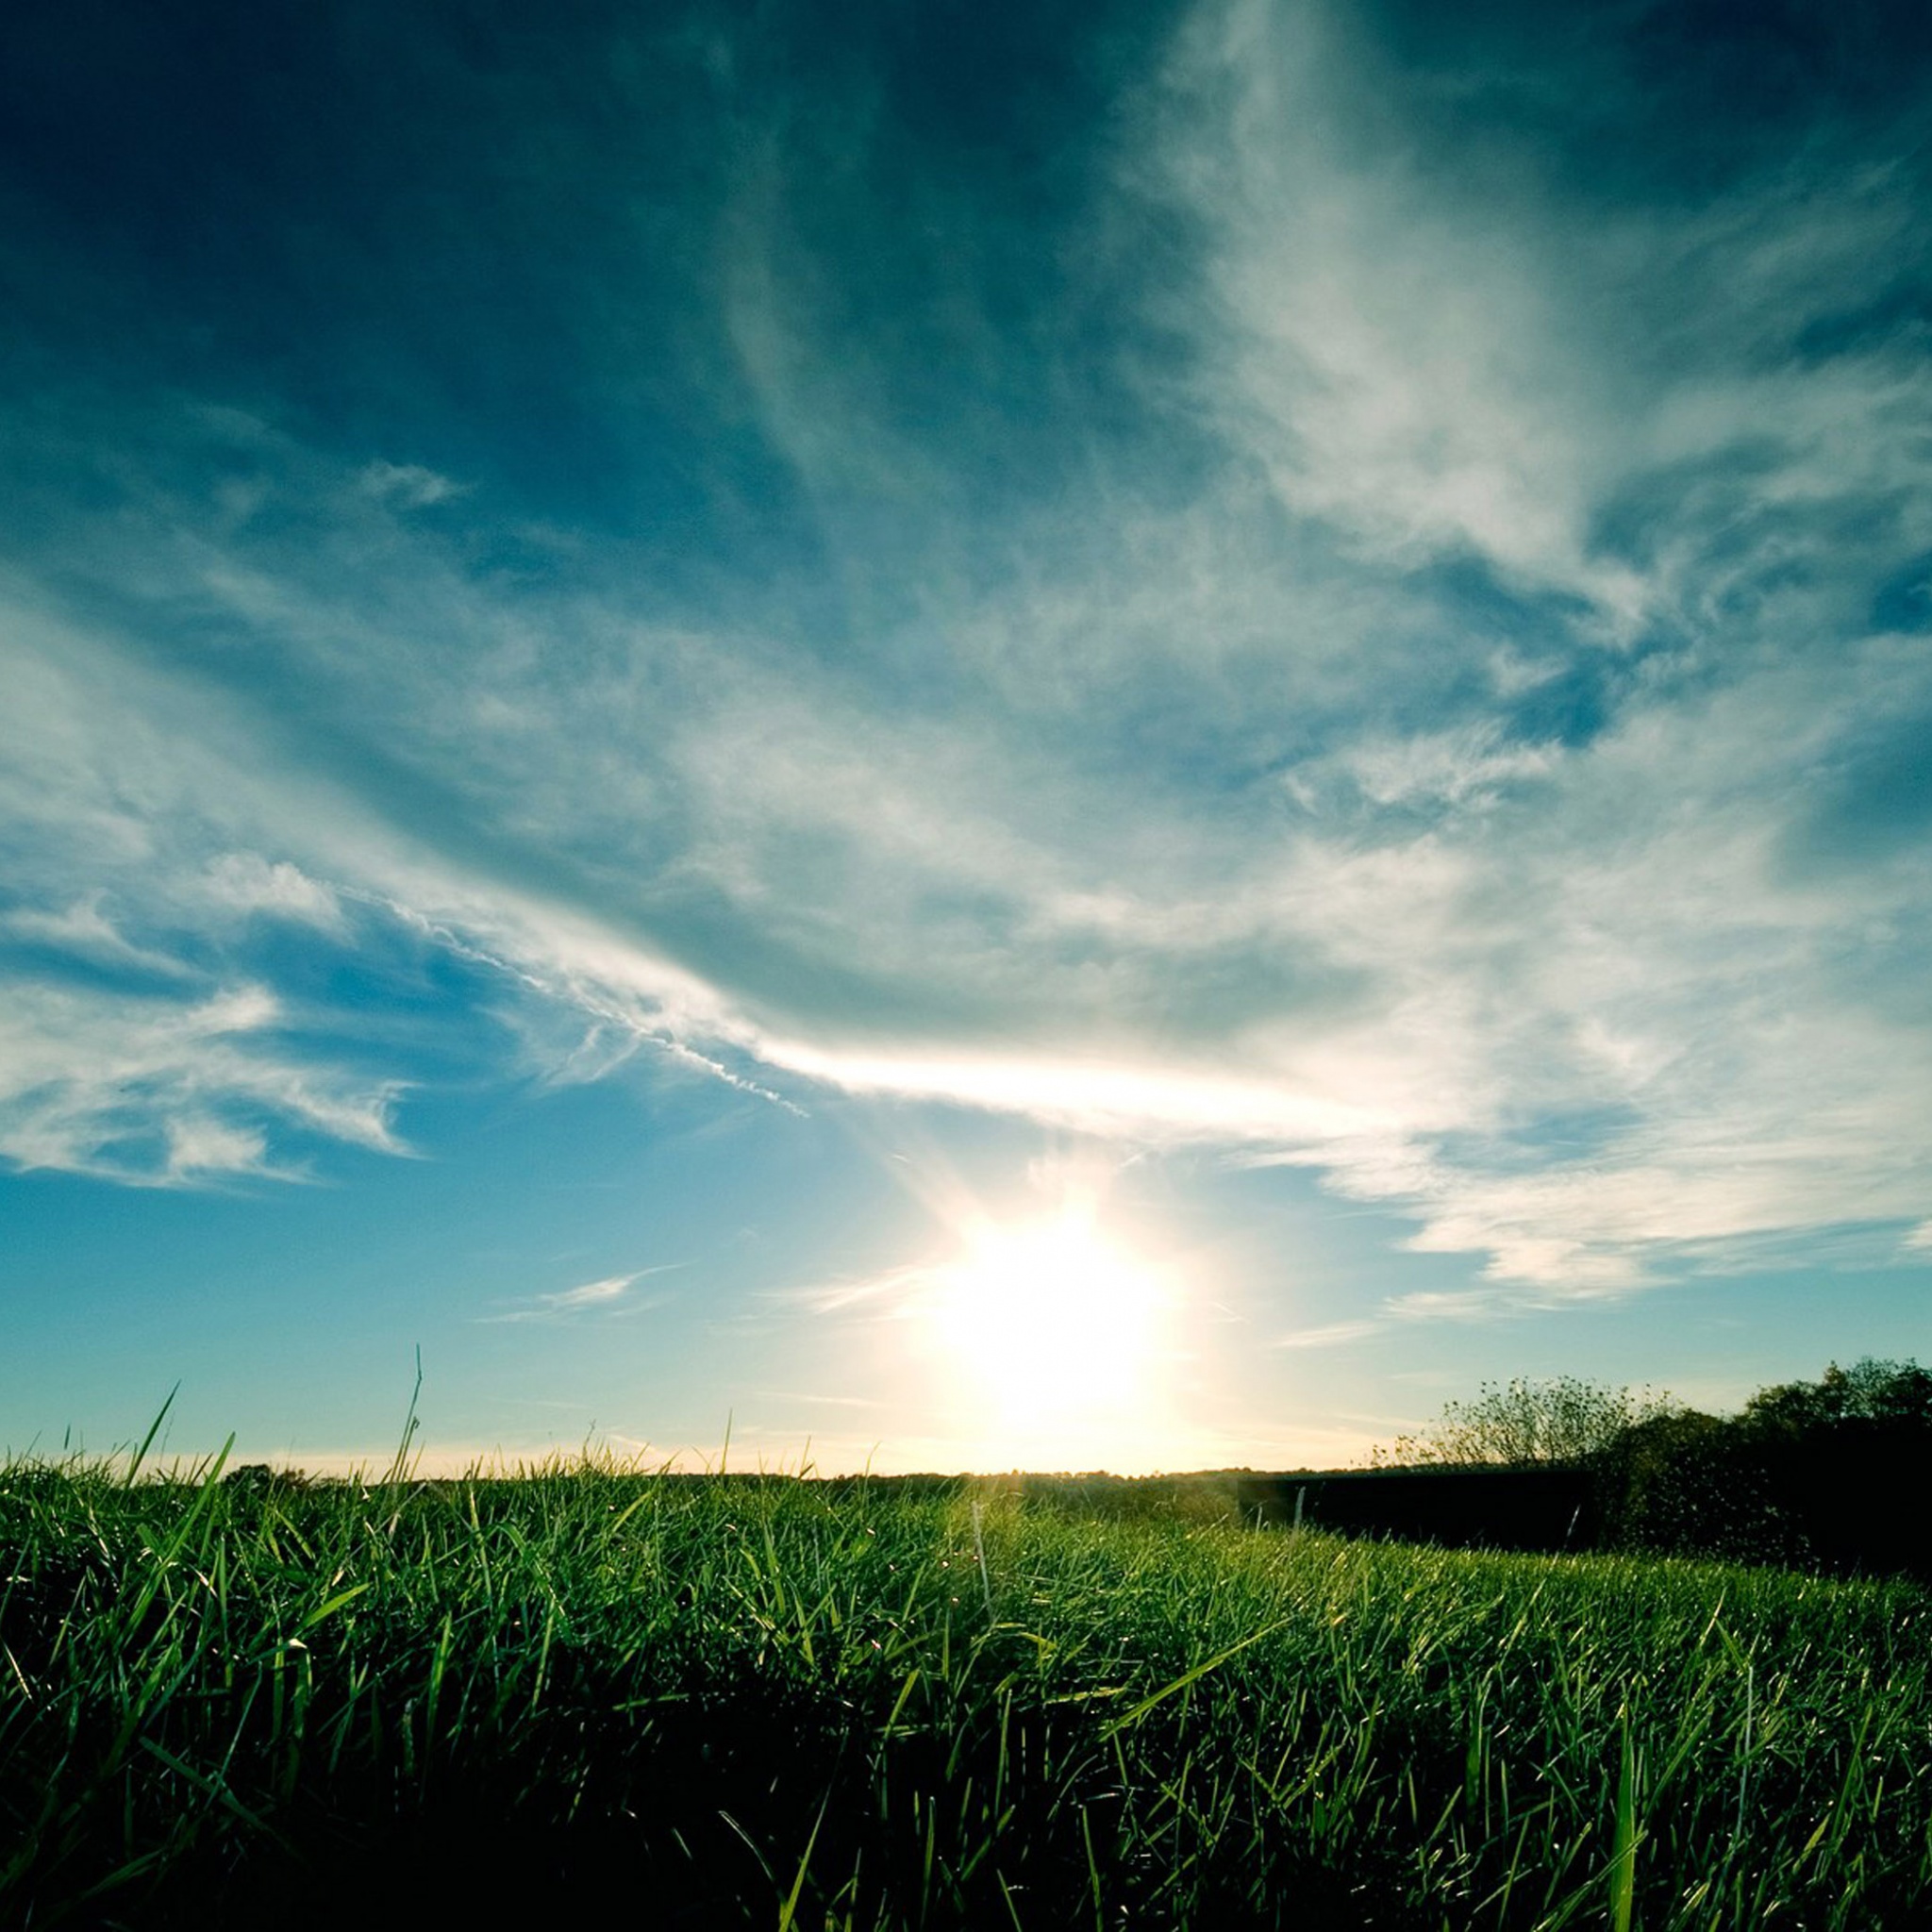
(1826, 1474)
(1885, 1393)
(1847, 1457)
(1685, 1483)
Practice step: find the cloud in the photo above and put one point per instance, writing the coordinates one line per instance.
(162, 1093)
(1399, 359)
(1393, 962)
(84, 929)
(248, 883)
(142, 1038)
(1434, 349)
(199, 1146)
(607, 1293)
(1432, 714)
(407, 486)
(885, 1296)
(591, 1293)
(1329, 1334)
(1469, 766)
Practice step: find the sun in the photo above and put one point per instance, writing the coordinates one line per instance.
(1049, 1322)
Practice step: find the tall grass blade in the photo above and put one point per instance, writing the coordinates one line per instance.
(398, 1470)
(1624, 1846)
(153, 1429)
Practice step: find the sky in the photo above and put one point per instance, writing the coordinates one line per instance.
(942, 737)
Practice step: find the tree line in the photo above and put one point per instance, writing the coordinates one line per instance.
(1827, 1474)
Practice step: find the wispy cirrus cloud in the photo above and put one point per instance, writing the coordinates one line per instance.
(83, 929)
(1328, 1334)
(149, 1091)
(409, 486)
(610, 1294)
(1440, 709)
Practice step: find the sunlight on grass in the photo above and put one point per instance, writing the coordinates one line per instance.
(878, 1704)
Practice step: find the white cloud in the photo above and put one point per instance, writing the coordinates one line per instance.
(1455, 768)
(199, 1146)
(1404, 361)
(1430, 350)
(247, 882)
(606, 1294)
(1609, 927)
(84, 929)
(591, 1293)
(1329, 1334)
(406, 486)
(1208, 822)
(161, 1091)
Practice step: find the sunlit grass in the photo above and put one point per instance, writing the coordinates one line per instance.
(759, 1701)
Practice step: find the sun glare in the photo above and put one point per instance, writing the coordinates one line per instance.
(1050, 1323)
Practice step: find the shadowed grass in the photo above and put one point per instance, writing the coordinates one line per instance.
(753, 1700)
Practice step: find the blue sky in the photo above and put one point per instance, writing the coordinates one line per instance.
(1134, 735)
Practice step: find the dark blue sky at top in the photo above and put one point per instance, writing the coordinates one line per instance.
(314, 206)
(1343, 589)
(310, 208)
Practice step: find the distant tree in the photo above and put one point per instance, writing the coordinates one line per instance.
(1811, 1474)
(1893, 1396)
(1840, 1456)
(1528, 1424)
(1685, 1483)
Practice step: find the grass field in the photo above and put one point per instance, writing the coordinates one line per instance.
(759, 1701)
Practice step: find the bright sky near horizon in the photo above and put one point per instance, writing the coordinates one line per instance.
(1131, 735)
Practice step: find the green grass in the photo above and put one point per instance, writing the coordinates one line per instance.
(782, 1704)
